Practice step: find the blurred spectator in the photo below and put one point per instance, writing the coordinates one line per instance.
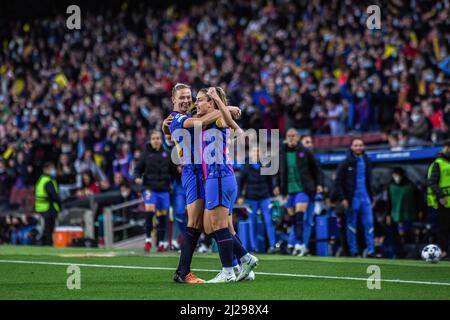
(404, 139)
(66, 174)
(89, 185)
(126, 192)
(393, 141)
(87, 164)
(123, 161)
(6, 182)
(420, 127)
(23, 171)
(335, 117)
(4, 229)
(118, 180)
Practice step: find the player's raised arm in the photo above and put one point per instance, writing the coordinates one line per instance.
(224, 111)
(203, 120)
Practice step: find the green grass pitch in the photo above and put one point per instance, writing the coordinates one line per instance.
(41, 273)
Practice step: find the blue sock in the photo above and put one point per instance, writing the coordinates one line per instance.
(299, 226)
(149, 224)
(225, 243)
(188, 246)
(238, 249)
(236, 260)
(161, 228)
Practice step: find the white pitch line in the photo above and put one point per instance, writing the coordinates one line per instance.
(210, 270)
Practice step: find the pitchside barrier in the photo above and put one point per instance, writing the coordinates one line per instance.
(116, 219)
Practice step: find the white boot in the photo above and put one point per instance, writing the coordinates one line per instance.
(224, 276)
(249, 262)
(302, 250)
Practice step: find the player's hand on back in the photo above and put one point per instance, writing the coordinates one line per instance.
(167, 121)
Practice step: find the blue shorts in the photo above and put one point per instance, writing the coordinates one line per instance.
(294, 198)
(193, 186)
(161, 200)
(221, 192)
(179, 199)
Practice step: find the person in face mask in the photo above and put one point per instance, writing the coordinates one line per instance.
(126, 192)
(403, 209)
(420, 127)
(48, 201)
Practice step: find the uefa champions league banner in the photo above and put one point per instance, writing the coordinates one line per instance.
(385, 155)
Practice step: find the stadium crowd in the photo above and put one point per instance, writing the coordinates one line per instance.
(86, 100)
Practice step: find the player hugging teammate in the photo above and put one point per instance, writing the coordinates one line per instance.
(219, 191)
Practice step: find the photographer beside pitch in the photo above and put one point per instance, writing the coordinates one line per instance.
(438, 182)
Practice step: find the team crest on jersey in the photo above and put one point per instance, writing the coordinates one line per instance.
(164, 154)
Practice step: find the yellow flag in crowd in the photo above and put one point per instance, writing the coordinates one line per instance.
(19, 85)
(389, 50)
(421, 87)
(27, 51)
(317, 74)
(258, 36)
(413, 38)
(437, 51)
(7, 153)
(337, 73)
(61, 80)
(98, 158)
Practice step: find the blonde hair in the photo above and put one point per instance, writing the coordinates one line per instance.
(178, 87)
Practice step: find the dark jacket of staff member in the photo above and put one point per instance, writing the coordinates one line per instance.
(155, 170)
(353, 189)
(301, 178)
(257, 191)
(48, 202)
(438, 193)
